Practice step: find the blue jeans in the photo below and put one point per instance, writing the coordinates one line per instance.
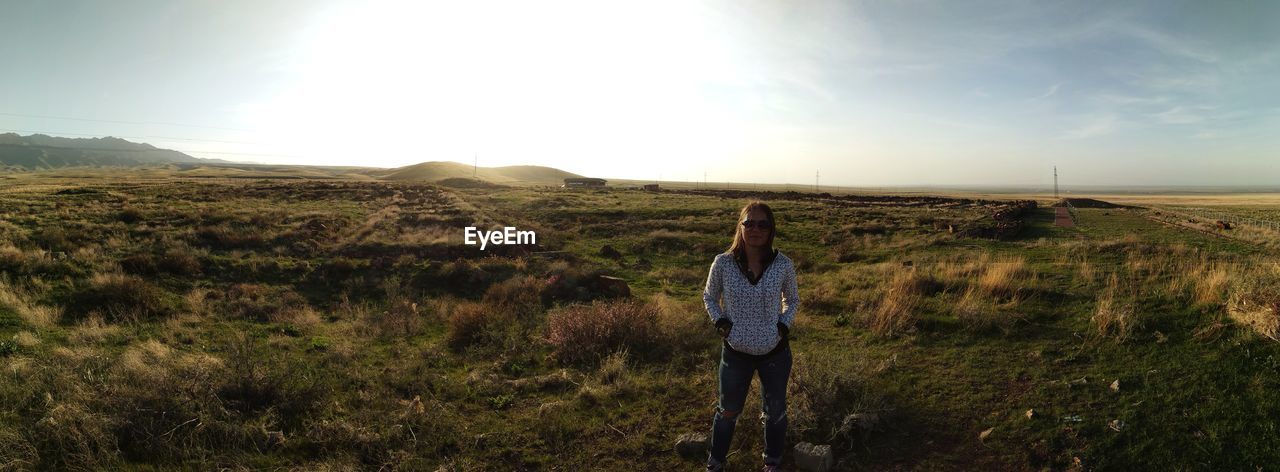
(736, 370)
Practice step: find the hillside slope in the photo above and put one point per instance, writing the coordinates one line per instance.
(438, 170)
(39, 151)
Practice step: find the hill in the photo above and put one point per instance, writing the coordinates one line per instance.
(40, 151)
(439, 170)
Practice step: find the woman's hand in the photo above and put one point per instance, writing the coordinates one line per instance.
(723, 326)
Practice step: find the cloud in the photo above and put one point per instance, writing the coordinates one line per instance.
(1178, 115)
(1096, 126)
(1053, 90)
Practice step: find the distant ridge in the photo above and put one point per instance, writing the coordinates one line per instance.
(436, 171)
(40, 151)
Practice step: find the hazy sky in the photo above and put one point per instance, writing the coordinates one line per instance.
(869, 93)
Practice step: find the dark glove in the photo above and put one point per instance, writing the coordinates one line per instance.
(723, 325)
(783, 330)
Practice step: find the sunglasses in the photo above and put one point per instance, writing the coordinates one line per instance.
(761, 224)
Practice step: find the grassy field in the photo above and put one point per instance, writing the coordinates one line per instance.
(342, 325)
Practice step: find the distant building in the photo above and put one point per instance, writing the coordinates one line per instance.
(651, 187)
(584, 182)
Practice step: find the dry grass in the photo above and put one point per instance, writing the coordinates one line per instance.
(586, 332)
(1115, 315)
(1211, 284)
(976, 311)
(1004, 277)
(23, 302)
(93, 330)
(1255, 303)
(896, 313)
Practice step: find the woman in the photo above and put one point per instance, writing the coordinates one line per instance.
(751, 297)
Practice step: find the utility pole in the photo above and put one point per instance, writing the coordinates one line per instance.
(815, 181)
(1055, 182)
(475, 164)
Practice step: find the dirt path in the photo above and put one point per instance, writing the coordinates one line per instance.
(1063, 218)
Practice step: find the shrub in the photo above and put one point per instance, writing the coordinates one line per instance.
(521, 296)
(587, 332)
(122, 297)
(472, 323)
(129, 215)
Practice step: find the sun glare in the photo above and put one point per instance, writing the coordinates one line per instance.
(596, 87)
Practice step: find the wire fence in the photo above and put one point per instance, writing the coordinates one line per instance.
(1214, 216)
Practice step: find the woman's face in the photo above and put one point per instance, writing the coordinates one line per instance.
(753, 233)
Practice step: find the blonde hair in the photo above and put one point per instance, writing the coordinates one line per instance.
(739, 241)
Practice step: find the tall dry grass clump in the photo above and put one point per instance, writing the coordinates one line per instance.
(896, 312)
(1003, 278)
(587, 332)
(1255, 302)
(1115, 315)
(1211, 284)
(23, 302)
(122, 297)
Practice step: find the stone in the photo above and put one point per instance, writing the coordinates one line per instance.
(1115, 386)
(814, 458)
(985, 434)
(612, 286)
(1031, 413)
(611, 253)
(694, 445)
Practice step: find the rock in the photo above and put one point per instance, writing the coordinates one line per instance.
(611, 286)
(1078, 382)
(985, 434)
(1116, 425)
(814, 458)
(611, 253)
(1031, 413)
(693, 445)
(1115, 386)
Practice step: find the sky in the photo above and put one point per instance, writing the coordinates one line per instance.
(873, 93)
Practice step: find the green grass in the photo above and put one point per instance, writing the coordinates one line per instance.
(345, 391)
